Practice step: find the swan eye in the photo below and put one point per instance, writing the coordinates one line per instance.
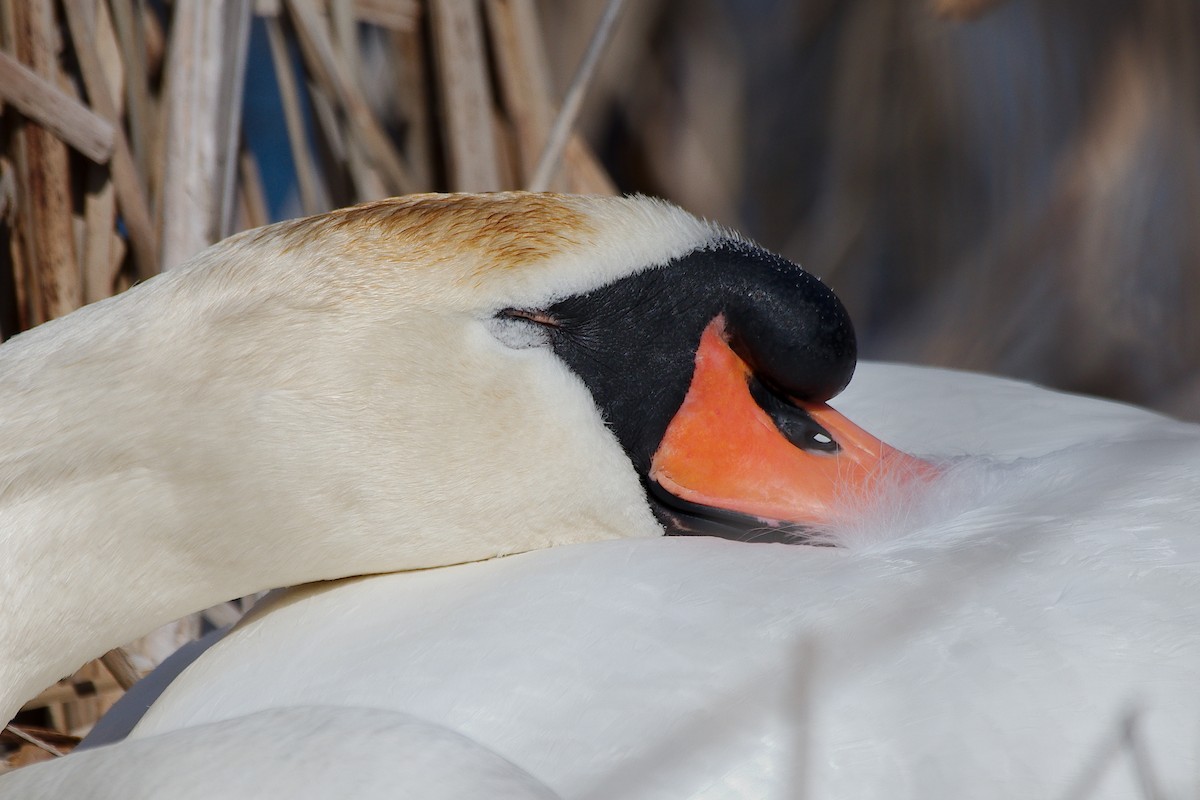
(531, 315)
(796, 425)
(521, 329)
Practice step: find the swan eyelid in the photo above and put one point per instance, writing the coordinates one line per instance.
(520, 329)
(531, 315)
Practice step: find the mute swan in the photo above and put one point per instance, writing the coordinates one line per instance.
(406, 384)
(981, 637)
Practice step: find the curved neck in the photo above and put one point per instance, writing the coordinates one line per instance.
(106, 488)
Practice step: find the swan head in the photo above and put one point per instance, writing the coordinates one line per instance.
(555, 341)
(435, 379)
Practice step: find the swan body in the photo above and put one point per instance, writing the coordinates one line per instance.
(992, 641)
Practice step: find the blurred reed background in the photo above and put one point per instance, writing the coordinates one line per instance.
(1001, 185)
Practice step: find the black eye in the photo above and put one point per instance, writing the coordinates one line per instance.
(792, 421)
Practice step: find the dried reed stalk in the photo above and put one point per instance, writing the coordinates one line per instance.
(91, 29)
(205, 69)
(469, 134)
(551, 155)
(37, 742)
(61, 114)
(118, 664)
(312, 195)
(53, 279)
(337, 81)
(523, 77)
(253, 198)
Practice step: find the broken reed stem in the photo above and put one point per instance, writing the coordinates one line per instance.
(573, 101)
(61, 114)
(35, 741)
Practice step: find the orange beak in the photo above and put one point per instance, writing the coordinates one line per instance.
(723, 451)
